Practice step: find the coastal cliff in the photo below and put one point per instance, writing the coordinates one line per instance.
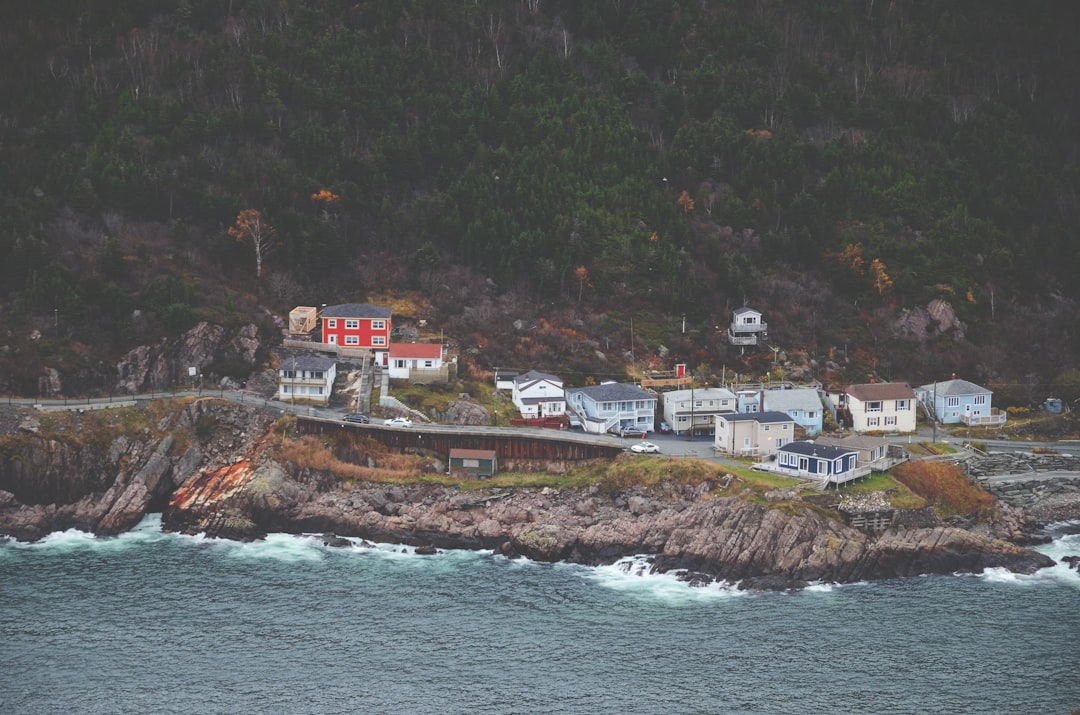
(203, 465)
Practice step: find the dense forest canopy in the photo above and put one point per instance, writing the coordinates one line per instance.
(837, 162)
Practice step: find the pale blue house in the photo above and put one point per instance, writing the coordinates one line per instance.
(802, 404)
(960, 402)
(611, 407)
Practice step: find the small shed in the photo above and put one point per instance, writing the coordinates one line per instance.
(473, 462)
(302, 320)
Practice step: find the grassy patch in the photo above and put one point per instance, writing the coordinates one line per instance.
(945, 486)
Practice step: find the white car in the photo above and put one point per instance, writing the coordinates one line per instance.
(644, 448)
(398, 422)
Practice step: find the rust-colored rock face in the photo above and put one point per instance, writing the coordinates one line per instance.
(212, 487)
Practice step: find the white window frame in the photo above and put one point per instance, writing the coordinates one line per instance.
(352, 339)
(352, 324)
(378, 325)
(331, 323)
(378, 340)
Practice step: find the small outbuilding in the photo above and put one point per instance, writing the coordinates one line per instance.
(473, 462)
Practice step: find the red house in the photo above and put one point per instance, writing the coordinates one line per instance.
(356, 325)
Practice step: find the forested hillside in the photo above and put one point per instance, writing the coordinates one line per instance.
(837, 165)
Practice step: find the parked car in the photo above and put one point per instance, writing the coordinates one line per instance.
(665, 427)
(631, 432)
(644, 448)
(398, 422)
(357, 417)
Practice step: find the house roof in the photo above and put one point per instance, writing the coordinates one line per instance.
(307, 362)
(853, 441)
(812, 449)
(416, 350)
(744, 310)
(356, 310)
(768, 417)
(881, 391)
(705, 393)
(613, 392)
(542, 400)
(536, 376)
(955, 388)
(472, 453)
(799, 398)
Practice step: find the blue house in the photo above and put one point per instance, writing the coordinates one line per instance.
(960, 402)
(802, 404)
(612, 406)
(824, 464)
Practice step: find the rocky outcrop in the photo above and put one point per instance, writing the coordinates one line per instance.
(685, 530)
(922, 324)
(200, 464)
(158, 367)
(99, 477)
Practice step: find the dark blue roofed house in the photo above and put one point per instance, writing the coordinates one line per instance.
(611, 407)
(828, 466)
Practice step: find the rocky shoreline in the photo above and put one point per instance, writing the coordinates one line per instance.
(224, 486)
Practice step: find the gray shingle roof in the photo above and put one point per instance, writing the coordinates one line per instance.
(307, 362)
(536, 375)
(762, 417)
(956, 388)
(804, 398)
(613, 392)
(356, 310)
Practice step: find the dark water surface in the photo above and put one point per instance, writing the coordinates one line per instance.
(151, 623)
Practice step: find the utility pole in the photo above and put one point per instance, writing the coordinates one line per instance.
(934, 411)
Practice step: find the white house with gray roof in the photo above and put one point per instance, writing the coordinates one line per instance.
(612, 406)
(537, 395)
(306, 379)
(695, 410)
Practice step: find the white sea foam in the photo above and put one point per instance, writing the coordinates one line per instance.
(1064, 544)
(73, 540)
(633, 575)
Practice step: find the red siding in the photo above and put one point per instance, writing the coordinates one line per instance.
(364, 333)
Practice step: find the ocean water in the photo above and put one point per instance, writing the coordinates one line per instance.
(149, 622)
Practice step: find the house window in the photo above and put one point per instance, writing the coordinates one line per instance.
(873, 421)
(331, 322)
(288, 374)
(352, 324)
(352, 339)
(903, 405)
(470, 463)
(952, 401)
(431, 363)
(317, 375)
(399, 364)
(980, 399)
(378, 340)
(766, 428)
(873, 406)
(811, 415)
(890, 421)
(378, 325)
(316, 390)
(286, 389)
